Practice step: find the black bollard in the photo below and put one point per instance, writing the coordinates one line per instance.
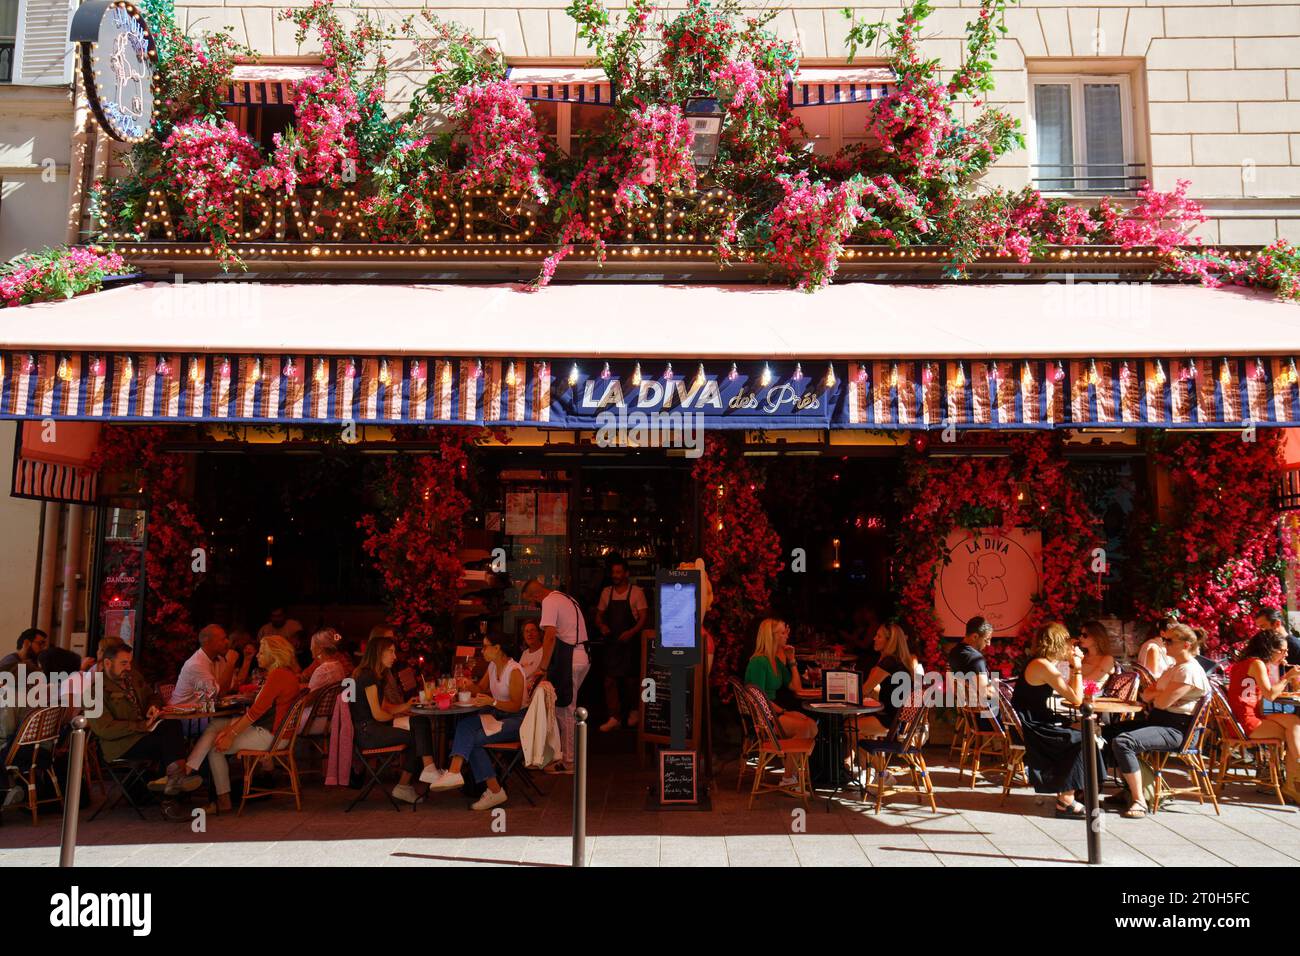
(1092, 786)
(72, 797)
(580, 789)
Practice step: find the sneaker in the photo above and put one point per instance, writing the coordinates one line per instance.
(405, 792)
(186, 784)
(789, 780)
(489, 800)
(430, 774)
(15, 796)
(611, 724)
(446, 781)
(634, 719)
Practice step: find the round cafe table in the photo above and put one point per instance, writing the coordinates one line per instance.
(440, 726)
(1112, 705)
(830, 748)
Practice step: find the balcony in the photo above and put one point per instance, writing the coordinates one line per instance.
(1090, 179)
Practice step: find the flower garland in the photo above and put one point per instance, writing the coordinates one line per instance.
(416, 539)
(1217, 561)
(741, 550)
(173, 534)
(1028, 488)
(57, 273)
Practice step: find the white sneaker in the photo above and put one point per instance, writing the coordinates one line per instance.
(789, 780)
(446, 781)
(611, 724)
(406, 793)
(489, 800)
(430, 773)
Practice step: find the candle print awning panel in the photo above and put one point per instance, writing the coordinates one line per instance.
(583, 393)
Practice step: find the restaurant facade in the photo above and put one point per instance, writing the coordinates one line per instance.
(296, 403)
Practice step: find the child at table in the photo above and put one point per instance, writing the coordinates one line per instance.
(501, 689)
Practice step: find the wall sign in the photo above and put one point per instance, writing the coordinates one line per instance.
(118, 64)
(991, 574)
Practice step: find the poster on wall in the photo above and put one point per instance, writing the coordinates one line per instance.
(552, 512)
(991, 574)
(521, 512)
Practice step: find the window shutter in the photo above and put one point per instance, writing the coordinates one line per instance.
(44, 54)
(1054, 134)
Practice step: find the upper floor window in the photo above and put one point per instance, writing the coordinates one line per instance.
(8, 38)
(259, 98)
(1083, 133)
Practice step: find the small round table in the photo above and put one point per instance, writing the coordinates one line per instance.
(440, 727)
(836, 716)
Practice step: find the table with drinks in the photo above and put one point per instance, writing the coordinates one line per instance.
(442, 698)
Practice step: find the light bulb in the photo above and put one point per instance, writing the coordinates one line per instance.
(511, 378)
(1225, 374)
(385, 376)
(733, 374)
(1160, 372)
(893, 375)
(1093, 377)
(798, 372)
(64, 372)
(604, 372)
(573, 375)
(766, 378)
(960, 380)
(636, 375)
(322, 372)
(668, 372)
(830, 374)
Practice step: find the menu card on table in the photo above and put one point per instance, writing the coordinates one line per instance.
(841, 687)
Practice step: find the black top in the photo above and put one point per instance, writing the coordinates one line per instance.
(895, 689)
(361, 706)
(964, 660)
(1292, 649)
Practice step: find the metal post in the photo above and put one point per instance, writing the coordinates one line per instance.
(72, 795)
(580, 789)
(1091, 784)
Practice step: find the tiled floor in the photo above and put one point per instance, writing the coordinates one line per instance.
(970, 829)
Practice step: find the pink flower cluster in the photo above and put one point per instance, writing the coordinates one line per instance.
(742, 81)
(809, 225)
(656, 148)
(60, 273)
(913, 123)
(207, 164)
(502, 146)
(321, 149)
(1158, 219)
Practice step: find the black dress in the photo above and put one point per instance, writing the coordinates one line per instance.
(1053, 749)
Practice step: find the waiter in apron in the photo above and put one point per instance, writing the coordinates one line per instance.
(621, 616)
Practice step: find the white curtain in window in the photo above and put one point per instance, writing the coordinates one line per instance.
(1054, 135)
(1104, 128)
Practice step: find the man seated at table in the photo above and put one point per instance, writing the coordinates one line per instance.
(126, 725)
(969, 669)
(210, 669)
(1173, 698)
(31, 643)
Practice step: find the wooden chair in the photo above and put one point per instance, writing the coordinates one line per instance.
(1191, 754)
(508, 761)
(991, 737)
(1234, 745)
(795, 751)
(320, 707)
(901, 744)
(748, 735)
(279, 754)
(1015, 756)
(39, 728)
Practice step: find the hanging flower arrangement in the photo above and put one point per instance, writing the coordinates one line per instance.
(207, 163)
(741, 551)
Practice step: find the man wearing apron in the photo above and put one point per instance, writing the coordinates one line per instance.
(621, 616)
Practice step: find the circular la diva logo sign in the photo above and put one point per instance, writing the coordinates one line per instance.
(118, 63)
(991, 575)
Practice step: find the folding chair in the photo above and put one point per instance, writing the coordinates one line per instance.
(795, 751)
(124, 774)
(1191, 754)
(508, 760)
(384, 756)
(748, 734)
(1234, 744)
(39, 727)
(280, 754)
(320, 707)
(901, 743)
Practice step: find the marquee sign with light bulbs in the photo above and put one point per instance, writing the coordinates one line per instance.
(119, 60)
(298, 388)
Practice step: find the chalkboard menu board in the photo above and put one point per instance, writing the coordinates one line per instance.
(656, 715)
(678, 776)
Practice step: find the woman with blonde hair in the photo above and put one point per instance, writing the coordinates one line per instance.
(895, 677)
(256, 728)
(772, 670)
(1054, 753)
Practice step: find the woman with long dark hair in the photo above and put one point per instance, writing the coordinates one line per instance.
(377, 722)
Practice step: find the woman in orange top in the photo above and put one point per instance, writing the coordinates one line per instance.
(255, 729)
(1249, 686)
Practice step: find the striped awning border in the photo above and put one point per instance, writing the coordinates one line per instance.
(835, 94)
(49, 481)
(304, 388)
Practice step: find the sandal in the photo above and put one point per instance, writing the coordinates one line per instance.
(1074, 810)
(1136, 811)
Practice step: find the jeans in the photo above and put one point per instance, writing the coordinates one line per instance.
(567, 717)
(1126, 746)
(418, 741)
(470, 738)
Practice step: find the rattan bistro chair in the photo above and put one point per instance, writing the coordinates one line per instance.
(795, 751)
(1190, 753)
(37, 735)
(901, 746)
(1015, 756)
(1234, 745)
(279, 754)
(748, 735)
(320, 708)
